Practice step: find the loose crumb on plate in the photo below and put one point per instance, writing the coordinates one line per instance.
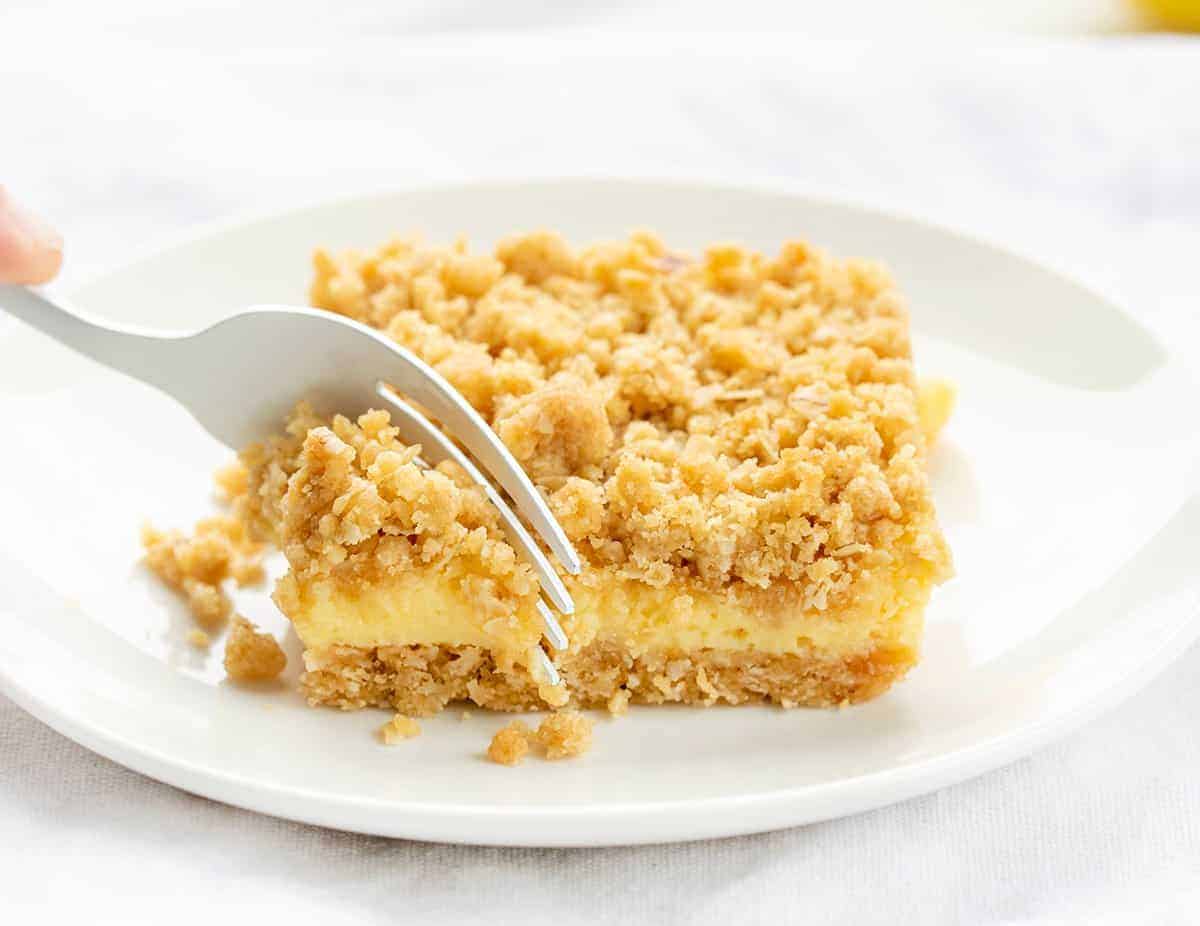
(510, 745)
(197, 565)
(565, 735)
(198, 638)
(399, 728)
(209, 604)
(232, 479)
(251, 656)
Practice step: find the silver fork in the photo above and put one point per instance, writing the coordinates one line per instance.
(242, 376)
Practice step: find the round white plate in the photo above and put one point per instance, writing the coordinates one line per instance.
(1063, 482)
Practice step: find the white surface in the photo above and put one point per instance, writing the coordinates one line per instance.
(259, 22)
(1032, 636)
(143, 138)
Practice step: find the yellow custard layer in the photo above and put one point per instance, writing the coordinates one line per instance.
(428, 608)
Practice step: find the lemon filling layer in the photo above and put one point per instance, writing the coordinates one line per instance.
(428, 609)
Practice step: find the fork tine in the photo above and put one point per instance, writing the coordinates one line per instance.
(548, 667)
(435, 447)
(554, 631)
(429, 389)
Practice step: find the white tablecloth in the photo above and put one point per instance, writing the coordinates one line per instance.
(1085, 153)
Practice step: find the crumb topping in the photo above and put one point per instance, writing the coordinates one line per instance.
(399, 728)
(349, 500)
(565, 735)
(733, 420)
(510, 745)
(251, 656)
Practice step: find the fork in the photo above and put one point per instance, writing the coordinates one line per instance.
(240, 378)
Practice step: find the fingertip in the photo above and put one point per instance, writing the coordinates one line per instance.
(43, 266)
(31, 251)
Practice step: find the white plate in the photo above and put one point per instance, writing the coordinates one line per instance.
(1063, 482)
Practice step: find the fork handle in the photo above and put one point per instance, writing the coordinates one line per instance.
(121, 348)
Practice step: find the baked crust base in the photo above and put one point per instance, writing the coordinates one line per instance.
(421, 680)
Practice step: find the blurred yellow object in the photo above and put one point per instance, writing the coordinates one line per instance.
(1183, 15)
(935, 402)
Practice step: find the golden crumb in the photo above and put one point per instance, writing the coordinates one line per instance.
(198, 638)
(232, 480)
(935, 403)
(465, 715)
(209, 604)
(565, 735)
(251, 656)
(248, 572)
(510, 745)
(399, 728)
(220, 548)
(618, 704)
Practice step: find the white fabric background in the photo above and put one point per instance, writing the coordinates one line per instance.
(1085, 153)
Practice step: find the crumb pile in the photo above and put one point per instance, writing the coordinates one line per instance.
(565, 735)
(197, 566)
(562, 735)
(251, 656)
(510, 745)
(220, 548)
(398, 729)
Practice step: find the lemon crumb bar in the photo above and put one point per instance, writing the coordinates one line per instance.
(732, 442)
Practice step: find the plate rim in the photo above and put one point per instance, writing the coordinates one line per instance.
(655, 821)
(659, 821)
